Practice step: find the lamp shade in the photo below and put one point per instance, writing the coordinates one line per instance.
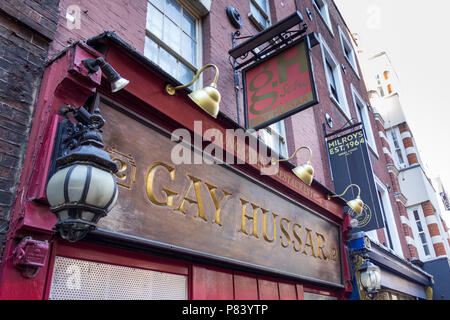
(356, 205)
(208, 99)
(370, 277)
(119, 84)
(80, 194)
(305, 172)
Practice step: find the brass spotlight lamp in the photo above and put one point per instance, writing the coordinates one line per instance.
(355, 204)
(207, 98)
(305, 171)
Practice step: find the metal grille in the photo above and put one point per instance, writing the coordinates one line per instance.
(85, 280)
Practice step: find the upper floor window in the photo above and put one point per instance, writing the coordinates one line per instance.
(260, 13)
(334, 78)
(400, 157)
(363, 115)
(274, 136)
(172, 39)
(390, 229)
(349, 53)
(322, 7)
(421, 236)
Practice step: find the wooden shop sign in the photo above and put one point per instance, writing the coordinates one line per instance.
(213, 209)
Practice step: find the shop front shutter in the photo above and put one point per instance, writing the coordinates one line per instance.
(75, 279)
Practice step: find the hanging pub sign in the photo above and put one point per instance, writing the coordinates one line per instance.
(350, 163)
(279, 86)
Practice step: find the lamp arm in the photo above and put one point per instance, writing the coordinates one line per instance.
(346, 189)
(298, 149)
(198, 74)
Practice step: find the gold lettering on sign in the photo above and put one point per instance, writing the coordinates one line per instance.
(150, 180)
(154, 192)
(309, 243)
(302, 237)
(285, 233)
(265, 226)
(297, 237)
(126, 174)
(320, 246)
(245, 216)
(217, 204)
(200, 209)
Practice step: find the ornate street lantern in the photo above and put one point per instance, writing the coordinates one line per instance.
(370, 278)
(83, 190)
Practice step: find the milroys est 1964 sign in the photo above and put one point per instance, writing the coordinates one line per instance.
(279, 86)
(213, 210)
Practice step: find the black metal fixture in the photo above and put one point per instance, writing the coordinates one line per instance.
(234, 16)
(83, 189)
(269, 40)
(117, 82)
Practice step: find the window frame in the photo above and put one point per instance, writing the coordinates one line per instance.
(417, 240)
(400, 148)
(324, 15)
(360, 104)
(276, 138)
(346, 44)
(385, 202)
(327, 56)
(265, 15)
(178, 56)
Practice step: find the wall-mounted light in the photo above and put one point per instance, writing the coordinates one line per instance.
(83, 189)
(207, 98)
(117, 82)
(305, 171)
(234, 17)
(355, 204)
(370, 278)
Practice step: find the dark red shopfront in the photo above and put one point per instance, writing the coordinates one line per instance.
(155, 233)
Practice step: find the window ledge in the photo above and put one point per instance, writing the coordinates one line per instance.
(341, 109)
(255, 21)
(200, 7)
(352, 67)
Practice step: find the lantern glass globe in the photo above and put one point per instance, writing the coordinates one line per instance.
(79, 195)
(370, 277)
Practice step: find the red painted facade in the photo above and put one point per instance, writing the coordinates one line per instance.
(66, 82)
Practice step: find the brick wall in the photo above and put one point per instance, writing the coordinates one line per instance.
(26, 27)
(126, 18)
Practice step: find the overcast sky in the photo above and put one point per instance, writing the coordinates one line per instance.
(415, 36)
